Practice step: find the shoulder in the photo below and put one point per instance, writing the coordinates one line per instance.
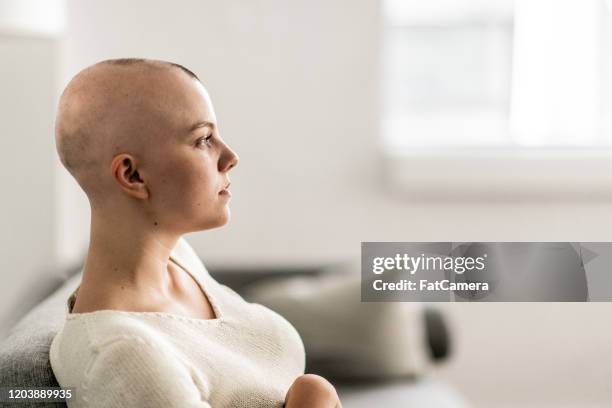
(116, 352)
(93, 330)
(85, 334)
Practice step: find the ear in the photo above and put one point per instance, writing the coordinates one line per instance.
(126, 173)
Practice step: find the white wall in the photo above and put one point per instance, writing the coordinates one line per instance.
(295, 88)
(26, 142)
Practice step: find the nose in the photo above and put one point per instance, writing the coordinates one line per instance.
(228, 160)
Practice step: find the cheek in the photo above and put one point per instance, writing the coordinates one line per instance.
(185, 187)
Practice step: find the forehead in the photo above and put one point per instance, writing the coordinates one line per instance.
(187, 101)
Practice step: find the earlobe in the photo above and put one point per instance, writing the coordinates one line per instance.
(126, 174)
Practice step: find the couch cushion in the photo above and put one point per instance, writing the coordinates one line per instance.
(347, 339)
(24, 354)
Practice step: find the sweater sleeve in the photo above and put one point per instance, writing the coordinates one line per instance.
(129, 371)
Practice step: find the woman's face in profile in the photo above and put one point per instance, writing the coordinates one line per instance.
(189, 167)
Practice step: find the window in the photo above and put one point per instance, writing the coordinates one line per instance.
(503, 73)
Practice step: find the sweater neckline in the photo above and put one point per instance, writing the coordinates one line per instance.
(206, 293)
(211, 299)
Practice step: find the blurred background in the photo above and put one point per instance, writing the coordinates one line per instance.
(355, 120)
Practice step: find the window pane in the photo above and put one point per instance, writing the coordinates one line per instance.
(503, 72)
(447, 82)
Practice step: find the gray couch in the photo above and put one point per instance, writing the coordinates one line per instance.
(24, 360)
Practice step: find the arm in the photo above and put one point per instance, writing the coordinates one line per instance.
(129, 371)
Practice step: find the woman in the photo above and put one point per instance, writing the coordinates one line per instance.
(148, 326)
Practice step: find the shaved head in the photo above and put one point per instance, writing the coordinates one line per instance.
(116, 106)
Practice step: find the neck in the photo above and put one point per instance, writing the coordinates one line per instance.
(128, 251)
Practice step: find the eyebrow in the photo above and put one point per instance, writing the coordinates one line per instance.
(201, 124)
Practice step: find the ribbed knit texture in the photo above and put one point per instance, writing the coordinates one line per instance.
(245, 358)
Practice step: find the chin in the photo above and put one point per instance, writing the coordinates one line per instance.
(218, 222)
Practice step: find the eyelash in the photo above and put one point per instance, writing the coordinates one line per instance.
(207, 139)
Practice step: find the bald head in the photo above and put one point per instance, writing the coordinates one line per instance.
(117, 106)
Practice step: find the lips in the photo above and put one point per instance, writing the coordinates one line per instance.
(225, 188)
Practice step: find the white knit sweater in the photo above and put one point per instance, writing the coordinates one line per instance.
(247, 357)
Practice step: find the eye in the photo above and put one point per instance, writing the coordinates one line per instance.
(207, 140)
